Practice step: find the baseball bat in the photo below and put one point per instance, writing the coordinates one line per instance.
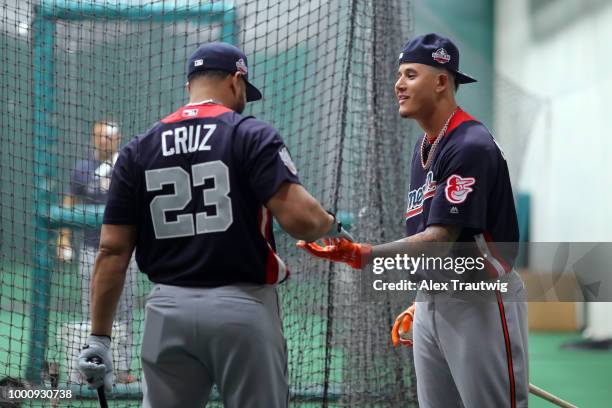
(549, 397)
(101, 393)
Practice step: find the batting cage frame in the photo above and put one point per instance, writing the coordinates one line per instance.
(328, 83)
(49, 214)
(47, 211)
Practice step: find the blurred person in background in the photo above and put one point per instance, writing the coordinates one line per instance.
(89, 184)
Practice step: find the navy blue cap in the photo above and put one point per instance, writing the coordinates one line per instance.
(223, 57)
(436, 51)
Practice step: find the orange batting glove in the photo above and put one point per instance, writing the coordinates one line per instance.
(401, 332)
(340, 250)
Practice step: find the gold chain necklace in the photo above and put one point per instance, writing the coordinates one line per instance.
(432, 150)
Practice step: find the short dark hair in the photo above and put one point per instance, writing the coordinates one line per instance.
(216, 74)
(450, 74)
(454, 76)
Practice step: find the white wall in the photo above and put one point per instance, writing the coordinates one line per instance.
(568, 163)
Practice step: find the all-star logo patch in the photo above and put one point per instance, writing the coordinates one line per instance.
(286, 158)
(441, 56)
(241, 66)
(458, 188)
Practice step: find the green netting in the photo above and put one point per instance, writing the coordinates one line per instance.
(326, 69)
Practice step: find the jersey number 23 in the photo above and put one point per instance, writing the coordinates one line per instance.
(181, 180)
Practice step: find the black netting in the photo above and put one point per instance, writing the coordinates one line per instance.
(326, 69)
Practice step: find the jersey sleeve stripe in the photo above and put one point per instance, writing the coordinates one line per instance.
(491, 244)
(276, 270)
(495, 263)
(263, 221)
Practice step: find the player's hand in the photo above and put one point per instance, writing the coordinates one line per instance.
(64, 249)
(402, 328)
(96, 363)
(65, 253)
(337, 230)
(340, 250)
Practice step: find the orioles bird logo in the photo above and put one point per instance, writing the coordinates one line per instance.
(458, 188)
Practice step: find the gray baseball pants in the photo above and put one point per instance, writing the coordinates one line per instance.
(230, 336)
(472, 353)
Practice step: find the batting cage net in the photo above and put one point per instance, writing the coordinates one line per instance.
(80, 77)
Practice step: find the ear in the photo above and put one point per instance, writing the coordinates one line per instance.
(235, 82)
(187, 87)
(442, 82)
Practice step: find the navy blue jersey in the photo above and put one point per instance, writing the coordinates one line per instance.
(89, 184)
(195, 186)
(467, 185)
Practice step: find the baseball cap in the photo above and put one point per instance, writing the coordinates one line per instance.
(436, 51)
(223, 57)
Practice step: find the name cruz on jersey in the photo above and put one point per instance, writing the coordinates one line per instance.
(196, 185)
(186, 139)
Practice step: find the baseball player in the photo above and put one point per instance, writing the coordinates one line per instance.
(466, 353)
(89, 184)
(195, 195)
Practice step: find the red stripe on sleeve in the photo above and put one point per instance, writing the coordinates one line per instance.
(491, 244)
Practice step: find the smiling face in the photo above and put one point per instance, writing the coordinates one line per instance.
(418, 88)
